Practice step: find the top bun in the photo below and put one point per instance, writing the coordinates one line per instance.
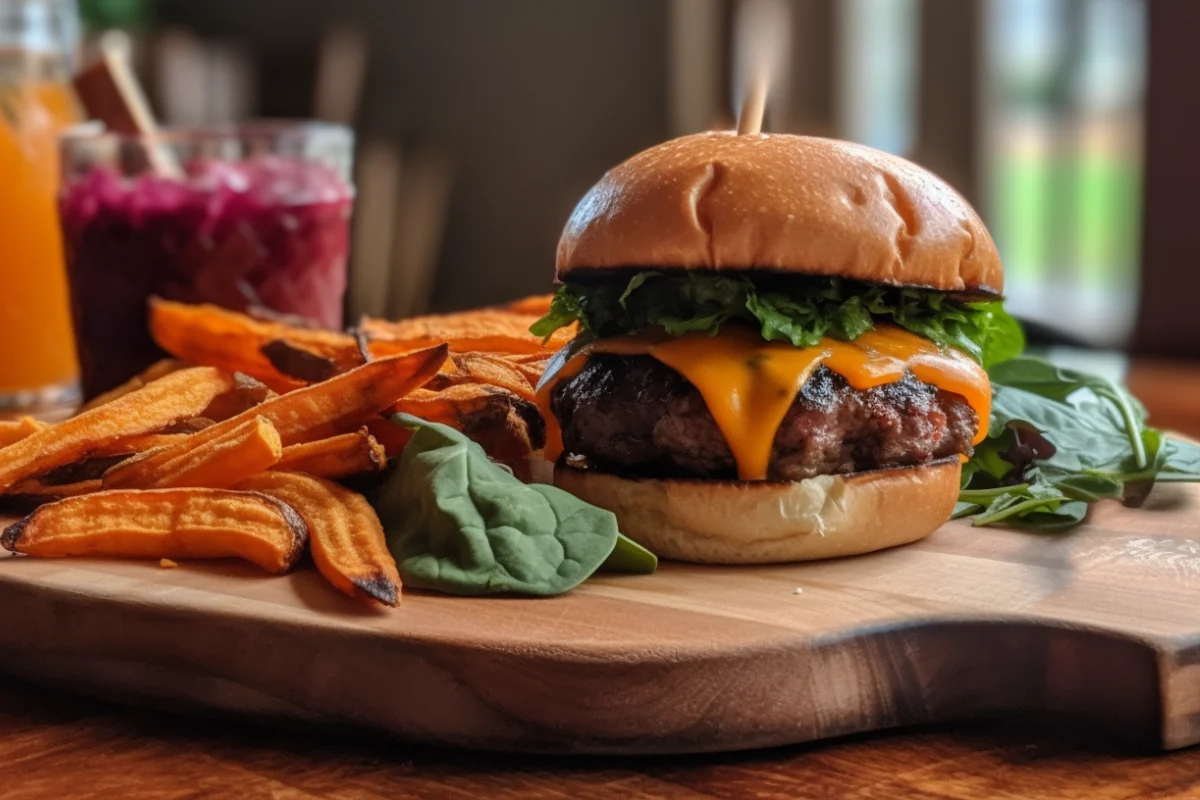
(795, 204)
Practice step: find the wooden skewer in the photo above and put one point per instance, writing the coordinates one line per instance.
(110, 92)
(750, 118)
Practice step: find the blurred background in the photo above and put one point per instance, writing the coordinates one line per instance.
(479, 124)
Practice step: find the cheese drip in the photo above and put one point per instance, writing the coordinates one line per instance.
(749, 384)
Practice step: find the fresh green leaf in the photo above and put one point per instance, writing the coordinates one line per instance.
(798, 310)
(1098, 447)
(629, 556)
(458, 523)
(634, 283)
(965, 509)
(564, 310)
(1180, 458)
(1057, 383)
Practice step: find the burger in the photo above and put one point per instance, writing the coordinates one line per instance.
(781, 350)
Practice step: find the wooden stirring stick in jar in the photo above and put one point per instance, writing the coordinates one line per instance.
(110, 92)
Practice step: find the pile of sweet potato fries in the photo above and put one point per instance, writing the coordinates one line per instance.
(232, 448)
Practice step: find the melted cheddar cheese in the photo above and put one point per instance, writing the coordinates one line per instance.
(749, 384)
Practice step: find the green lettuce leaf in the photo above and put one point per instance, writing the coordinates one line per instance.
(457, 522)
(797, 310)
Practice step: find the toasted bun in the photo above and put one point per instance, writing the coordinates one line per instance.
(760, 522)
(795, 204)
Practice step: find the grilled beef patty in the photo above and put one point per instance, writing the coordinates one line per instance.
(633, 415)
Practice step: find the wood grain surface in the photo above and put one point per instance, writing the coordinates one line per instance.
(1097, 628)
(54, 745)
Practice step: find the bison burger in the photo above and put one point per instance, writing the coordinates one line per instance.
(781, 352)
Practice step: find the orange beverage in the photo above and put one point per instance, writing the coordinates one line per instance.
(35, 322)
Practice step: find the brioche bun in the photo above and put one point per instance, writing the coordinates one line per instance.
(783, 203)
(766, 522)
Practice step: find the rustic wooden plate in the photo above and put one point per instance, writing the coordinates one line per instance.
(1100, 626)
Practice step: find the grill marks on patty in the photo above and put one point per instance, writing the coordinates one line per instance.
(634, 415)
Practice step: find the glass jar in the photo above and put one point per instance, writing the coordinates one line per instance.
(38, 373)
(250, 216)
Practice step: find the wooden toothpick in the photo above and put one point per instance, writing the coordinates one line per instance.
(750, 118)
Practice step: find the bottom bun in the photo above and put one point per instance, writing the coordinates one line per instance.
(765, 522)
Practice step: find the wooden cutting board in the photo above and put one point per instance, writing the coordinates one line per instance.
(1100, 627)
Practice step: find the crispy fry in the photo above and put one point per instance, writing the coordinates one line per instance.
(180, 395)
(531, 366)
(296, 362)
(164, 523)
(153, 372)
(92, 468)
(140, 444)
(507, 427)
(219, 462)
(192, 425)
(488, 369)
(535, 305)
(496, 343)
(246, 394)
(206, 334)
(338, 405)
(347, 541)
(59, 490)
(14, 430)
(32, 493)
(484, 330)
(453, 405)
(393, 437)
(335, 457)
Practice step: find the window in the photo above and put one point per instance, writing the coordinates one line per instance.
(1063, 91)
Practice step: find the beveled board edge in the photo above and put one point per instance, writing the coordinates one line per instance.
(939, 669)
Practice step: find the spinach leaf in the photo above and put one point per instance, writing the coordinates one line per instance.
(1057, 383)
(799, 310)
(459, 523)
(1059, 440)
(1181, 461)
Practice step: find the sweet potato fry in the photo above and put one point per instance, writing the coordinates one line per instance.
(338, 405)
(217, 463)
(32, 493)
(484, 330)
(153, 372)
(488, 369)
(346, 537)
(92, 468)
(14, 430)
(57, 490)
(536, 305)
(164, 523)
(180, 395)
(246, 394)
(454, 405)
(206, 334)
(286, 356)
(335, 457)
(140, 444)
(507, 427)
(296, 362)
(531, 365)
(393, 437)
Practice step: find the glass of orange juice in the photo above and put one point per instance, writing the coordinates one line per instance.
(38, 371)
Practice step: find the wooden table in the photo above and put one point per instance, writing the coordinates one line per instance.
(56, 745)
